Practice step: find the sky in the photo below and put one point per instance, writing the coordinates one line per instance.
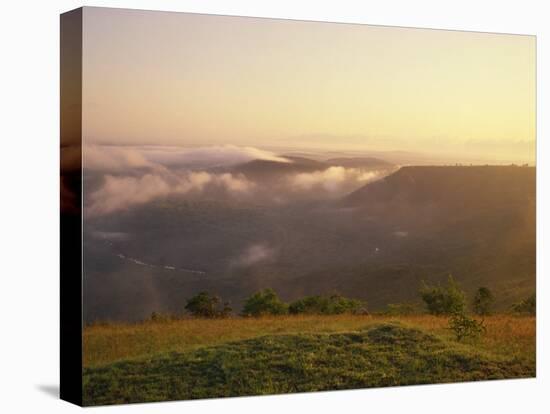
(191, 80)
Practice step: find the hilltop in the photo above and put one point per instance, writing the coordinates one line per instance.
(280, 355)
(269, 170)
(471, 186)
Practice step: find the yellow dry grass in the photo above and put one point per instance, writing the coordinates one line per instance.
(506, 335)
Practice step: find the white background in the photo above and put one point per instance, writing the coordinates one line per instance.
(29, 237)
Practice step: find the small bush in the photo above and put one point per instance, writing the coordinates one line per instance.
(205, 305)
(466, 328)
(162, 317)
(264, 302)
(483, 301)
(226, 310)
(440, 300)
(527, 306)
(308, 304)
(327, 305)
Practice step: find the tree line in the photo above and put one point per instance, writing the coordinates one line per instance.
(451, 300)
(440, 300)
(267, 302)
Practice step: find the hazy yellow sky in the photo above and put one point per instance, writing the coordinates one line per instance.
(188, 79)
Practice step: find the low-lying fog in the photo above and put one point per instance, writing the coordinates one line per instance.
(127, 176)
(164, 223)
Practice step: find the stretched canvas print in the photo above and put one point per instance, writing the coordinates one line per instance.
(259, 206)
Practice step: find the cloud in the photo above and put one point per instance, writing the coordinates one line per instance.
(119, 193)
(123, 158)
(134, 175)
(258, 154)
(333, 179)
(254, 254)
(114, 158)
(235, 184)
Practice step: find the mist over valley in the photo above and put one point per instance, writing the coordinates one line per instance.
(164, 223)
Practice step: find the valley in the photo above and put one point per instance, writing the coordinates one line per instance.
(376, 242)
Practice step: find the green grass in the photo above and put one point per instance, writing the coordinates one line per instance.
(104, 344)
(377, 355)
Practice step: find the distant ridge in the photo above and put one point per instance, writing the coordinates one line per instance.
(258, 169)
(450, 184)
(359, 162)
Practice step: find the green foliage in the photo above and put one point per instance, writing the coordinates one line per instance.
(483, 301)
(401, 309)
(162, 317)
(264, 302)
(527, 306)
(466, 328)
(226, 310)
(327, 305)
(443, 300)
(205, 305)
(382, 355)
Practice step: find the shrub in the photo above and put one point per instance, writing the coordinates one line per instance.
(327, 305)
(401, 309)
(339, 304)
(226, 310)
(308, 304)
(483, 301)
(205, 305)
(162, 317)
(264, 302)
(527, 306)
(466, 328)
(443, 300)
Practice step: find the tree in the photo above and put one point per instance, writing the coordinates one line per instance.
(327, 305)
(483, 301)
(205, 305)
(162, 317)
(338, 304)
(226, 311)
(264, 302)
(465, 327)
(308, 304)
(526, 306)
(441, 300)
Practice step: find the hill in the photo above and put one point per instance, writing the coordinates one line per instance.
(477, 223)
(266, 169)
(376, 354)
(375, 244)
(472, 186)
(262, 170)
(359, 162)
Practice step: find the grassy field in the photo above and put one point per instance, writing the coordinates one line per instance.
(193, 358)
